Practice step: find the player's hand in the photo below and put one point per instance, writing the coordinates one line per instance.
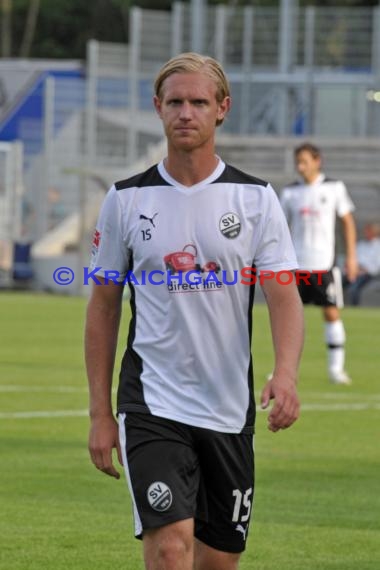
(286, 407)
(103, 438)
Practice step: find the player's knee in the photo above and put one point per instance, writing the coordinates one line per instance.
(170, 550)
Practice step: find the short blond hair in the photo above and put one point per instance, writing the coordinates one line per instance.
(191, 62)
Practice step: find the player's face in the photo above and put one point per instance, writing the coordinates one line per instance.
(189, 110)
(308, 166)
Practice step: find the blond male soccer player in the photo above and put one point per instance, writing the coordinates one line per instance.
(311, 207)
(185, 401)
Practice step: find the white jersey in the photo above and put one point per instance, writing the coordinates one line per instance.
(311, 211)
(188, 355)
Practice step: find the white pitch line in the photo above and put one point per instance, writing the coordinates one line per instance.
(43, 414)
(354, 407)
(57, 389)
(358, 406)
(51, 389)
(334, 396)
(341, 395)
(54, 389)
(9, 388)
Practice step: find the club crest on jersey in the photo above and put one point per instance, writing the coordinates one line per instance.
(230, 225)
(159, 496)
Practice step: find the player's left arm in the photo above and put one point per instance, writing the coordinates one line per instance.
(349, 234)
(287, 325)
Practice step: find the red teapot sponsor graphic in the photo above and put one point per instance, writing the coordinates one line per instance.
(186, 260)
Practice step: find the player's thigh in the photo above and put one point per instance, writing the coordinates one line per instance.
(162, 471)
(226, 488)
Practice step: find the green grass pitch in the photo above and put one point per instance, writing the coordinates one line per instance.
(317, 504)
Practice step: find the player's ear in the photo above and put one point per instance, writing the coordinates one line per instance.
(157, 105)
(223, 108)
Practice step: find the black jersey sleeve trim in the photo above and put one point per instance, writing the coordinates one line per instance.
(131, 390)
(150, 177)
(234, 175)
(250, 419)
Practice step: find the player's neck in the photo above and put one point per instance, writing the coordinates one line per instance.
(190, 168)
(312, 178)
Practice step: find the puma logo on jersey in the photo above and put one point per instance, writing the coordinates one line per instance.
(241, 529)
(142, 217)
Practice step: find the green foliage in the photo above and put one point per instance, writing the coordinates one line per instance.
(317, 503)
(64, 26)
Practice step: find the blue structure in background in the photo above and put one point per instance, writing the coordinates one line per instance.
(22, 262)
(31, 108)
(26, 119)
(32, 104)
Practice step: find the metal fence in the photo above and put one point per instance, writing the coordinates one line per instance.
(11, 204)
(294, 71)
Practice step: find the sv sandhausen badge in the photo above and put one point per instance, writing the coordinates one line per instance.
(159, 496)
(230, 225)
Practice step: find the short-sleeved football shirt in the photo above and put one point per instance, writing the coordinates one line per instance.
(311, 211)
(182, 249)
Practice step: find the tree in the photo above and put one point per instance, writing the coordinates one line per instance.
(6, 31)
(30, 28)
(61, 28)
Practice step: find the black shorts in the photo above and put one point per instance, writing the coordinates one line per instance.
(322, 289)
(175, 472)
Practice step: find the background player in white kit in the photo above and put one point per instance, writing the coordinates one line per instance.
(185, 401)
(311, 207)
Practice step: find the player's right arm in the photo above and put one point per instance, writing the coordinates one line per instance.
(101, 333)
(287, 325)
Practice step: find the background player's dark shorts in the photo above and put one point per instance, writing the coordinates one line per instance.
(177, 472)
(322, 289)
